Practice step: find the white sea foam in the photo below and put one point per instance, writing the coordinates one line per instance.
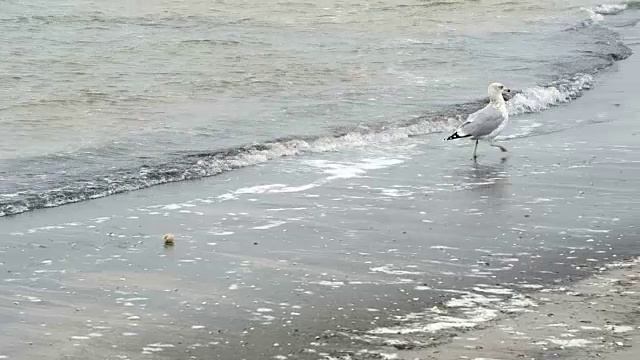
(221, 233)
(334, 170)
(619, 328)
(443, 247)
(171, 207)
(593, 16)
(495, 290)
(610, 9)
(465, 311)
(77, 337)
(539, 98)
(346, 170)
(389, 269)
(470, 300)
(474, 317)
(571, 342)
(269, 225)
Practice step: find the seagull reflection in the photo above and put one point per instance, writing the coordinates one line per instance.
(486, 179)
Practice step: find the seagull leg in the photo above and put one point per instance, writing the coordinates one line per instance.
(502, 148)
(475, 148)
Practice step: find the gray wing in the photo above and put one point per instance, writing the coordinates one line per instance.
(481, 122)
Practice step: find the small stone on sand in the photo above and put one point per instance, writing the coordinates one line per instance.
(168, 239)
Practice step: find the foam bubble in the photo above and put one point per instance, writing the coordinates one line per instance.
(388, 269)
(443, 247)
(571, 342)
(269, 225)
(619, 328)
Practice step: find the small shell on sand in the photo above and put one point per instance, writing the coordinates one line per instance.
(168, 239)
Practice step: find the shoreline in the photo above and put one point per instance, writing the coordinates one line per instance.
(203, 163)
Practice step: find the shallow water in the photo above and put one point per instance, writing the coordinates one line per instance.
(97, 99)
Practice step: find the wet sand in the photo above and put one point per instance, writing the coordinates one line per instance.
(400, 252)
(595, 318)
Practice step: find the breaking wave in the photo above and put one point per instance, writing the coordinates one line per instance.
(199, 165)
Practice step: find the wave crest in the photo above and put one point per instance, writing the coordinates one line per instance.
(198, 165)
(610, 9)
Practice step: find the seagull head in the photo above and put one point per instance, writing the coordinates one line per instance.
(497, 90)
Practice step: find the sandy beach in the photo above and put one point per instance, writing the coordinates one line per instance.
(596, 318)
(405, 249)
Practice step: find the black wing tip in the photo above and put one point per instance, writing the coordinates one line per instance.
(456, 136)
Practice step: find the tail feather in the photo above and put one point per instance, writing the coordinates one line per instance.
(456, 136)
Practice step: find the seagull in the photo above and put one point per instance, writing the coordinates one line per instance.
(486, 123)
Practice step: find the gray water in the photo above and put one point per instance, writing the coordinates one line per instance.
(98, 98)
